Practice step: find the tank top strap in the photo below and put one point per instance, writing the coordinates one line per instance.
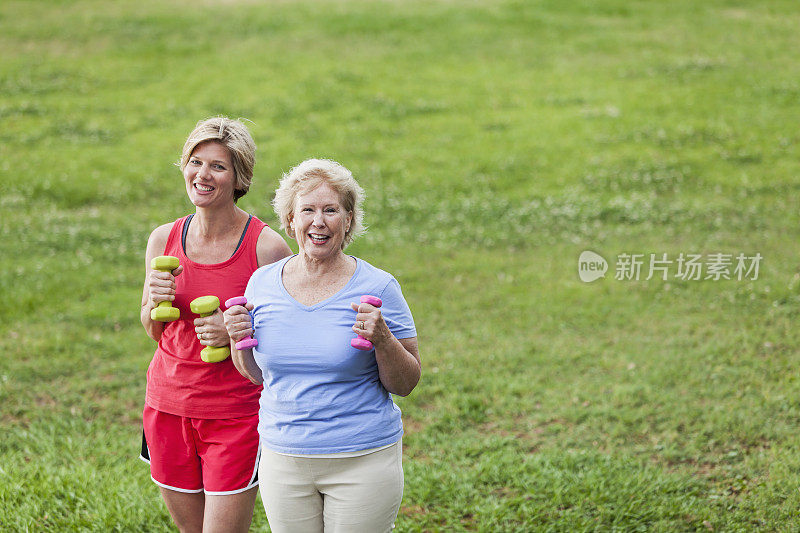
(250, 237)
(175, 234)
(244, 232)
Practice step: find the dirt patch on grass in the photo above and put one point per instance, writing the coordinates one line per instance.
(412, 511)
(736, 14)
(530, 433)
(413, 425)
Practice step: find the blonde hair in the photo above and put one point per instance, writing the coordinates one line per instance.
(233, 135)
(309, 175)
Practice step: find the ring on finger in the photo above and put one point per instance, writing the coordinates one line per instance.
(362, 325)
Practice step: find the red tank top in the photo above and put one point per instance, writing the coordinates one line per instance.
(178, 381)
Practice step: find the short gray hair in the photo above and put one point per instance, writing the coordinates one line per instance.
(309, 175)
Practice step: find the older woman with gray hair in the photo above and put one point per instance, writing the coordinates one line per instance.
(331, 453)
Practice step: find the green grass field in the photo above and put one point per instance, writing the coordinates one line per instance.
(496, 141)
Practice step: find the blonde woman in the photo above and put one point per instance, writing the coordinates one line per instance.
(200, 419)
(330, 432)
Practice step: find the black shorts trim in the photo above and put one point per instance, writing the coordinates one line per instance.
(144, 455)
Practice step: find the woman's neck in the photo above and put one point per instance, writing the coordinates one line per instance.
(214, 222)
(311, 267)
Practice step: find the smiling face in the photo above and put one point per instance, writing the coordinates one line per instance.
(320, 222)
(209, 175)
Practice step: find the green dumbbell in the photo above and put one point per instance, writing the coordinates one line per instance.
(205, 306)
(164, 312)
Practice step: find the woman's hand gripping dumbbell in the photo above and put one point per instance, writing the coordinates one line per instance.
(238, 322)
(162, 288)
(213, 337)
(365, 322)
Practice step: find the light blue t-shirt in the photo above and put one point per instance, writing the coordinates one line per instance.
(320, 394)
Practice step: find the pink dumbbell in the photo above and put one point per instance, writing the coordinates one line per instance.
(248, 342)
(360, 342)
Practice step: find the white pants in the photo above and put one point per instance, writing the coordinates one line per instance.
(312, 495)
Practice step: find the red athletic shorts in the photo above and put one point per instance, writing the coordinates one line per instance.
(215, 456)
